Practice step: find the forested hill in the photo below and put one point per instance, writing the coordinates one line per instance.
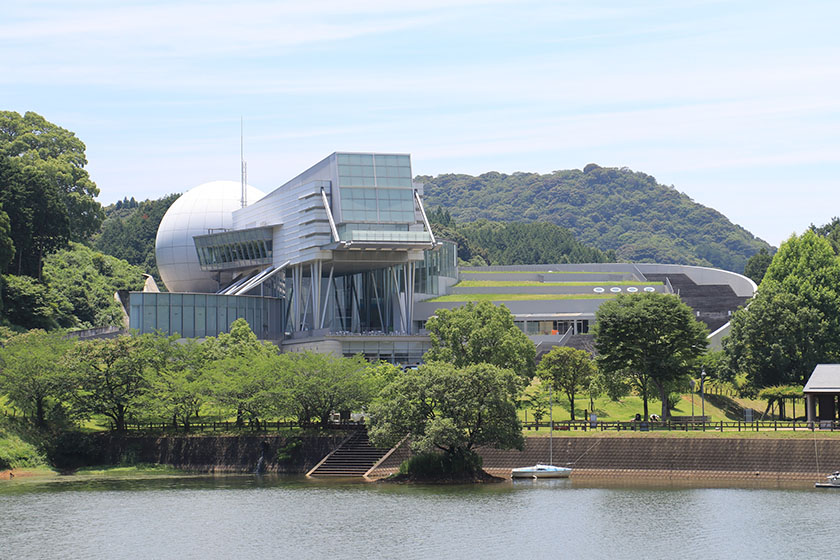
(612, 209)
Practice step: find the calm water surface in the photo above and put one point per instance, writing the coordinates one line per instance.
(288, 517)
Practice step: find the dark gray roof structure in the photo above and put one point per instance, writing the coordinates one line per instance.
(824, 379)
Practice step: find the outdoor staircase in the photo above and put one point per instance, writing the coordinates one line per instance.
(712, 303)
(354, 457)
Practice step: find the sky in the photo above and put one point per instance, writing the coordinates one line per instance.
(734, 103)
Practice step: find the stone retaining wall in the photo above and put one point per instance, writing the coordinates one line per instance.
(709, 457)
(220, 453)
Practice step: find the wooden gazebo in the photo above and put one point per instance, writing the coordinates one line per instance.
(822, 392)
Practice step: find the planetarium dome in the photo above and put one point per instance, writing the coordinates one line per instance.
(205, 207)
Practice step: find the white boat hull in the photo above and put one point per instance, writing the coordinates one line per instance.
(541, 471)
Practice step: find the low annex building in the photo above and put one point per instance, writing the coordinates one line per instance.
(342, 259)
(822, 392)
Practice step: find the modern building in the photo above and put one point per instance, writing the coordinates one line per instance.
(822, 394)
(342, 259)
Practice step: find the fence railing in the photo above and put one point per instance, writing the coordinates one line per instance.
(685, 426)
(247, 426)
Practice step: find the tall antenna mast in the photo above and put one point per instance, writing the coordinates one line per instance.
(242, 159)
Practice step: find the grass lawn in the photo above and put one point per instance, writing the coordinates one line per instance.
(517, 297)
(467, 270)
(625, 409)
(515, 283)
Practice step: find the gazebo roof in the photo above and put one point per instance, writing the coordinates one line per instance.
(824, 379)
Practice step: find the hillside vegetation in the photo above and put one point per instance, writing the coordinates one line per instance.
(130, 229)
(509, 243)
(612, 209)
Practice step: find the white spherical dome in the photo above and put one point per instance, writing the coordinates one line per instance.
(207, 206)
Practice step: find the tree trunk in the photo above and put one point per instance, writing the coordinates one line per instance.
(663, 394)
(39, 412)
(571, 403)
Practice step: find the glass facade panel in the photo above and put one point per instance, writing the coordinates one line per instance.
(199, 315)
(234, 249)
(435, 264)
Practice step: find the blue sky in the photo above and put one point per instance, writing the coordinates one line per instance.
(737, 104)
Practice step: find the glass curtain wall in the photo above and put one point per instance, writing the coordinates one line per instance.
(376, 189)
(202, 315)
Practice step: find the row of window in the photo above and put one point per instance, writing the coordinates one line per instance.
(380, 160)
(259, 251)
(353, 181)
(201, 315)
(377, 205)
(550, 327)
(371, 171)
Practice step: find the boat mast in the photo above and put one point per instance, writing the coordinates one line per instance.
(551, 423)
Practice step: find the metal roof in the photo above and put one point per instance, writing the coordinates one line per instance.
(825, 379)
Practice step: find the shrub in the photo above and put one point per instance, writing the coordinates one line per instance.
(441, 465)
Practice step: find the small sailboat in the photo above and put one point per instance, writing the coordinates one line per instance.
(540, 470)
(833, 481)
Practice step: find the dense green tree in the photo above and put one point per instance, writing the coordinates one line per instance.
(130, 235)
(651, 339)
(33, 372)
(756, 267)
(480, 333)
(315, 385)
(611, 209)
(113, 376)
(31, 304)
(238, 367)
(503, 243)
(44, 188)
(442, 407)
(86, 281)
(178, 387)
(830, 231)
(246, 384)
(536, 398)
(568, 370)
(792, 324)
(7, 246)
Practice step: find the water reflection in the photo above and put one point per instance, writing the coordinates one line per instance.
(275, 516)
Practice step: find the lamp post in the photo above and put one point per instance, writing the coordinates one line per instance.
(703, 396)
(692, 384)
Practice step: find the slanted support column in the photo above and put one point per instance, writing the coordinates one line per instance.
(397, 295)
(326, 298)
(296, 292)
(410, 270)
(315, 291)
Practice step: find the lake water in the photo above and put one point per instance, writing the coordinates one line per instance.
(289, 517)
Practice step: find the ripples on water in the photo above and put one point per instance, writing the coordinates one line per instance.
(288, 517)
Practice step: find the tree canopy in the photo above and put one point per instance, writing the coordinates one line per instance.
(33, 371)
(651, 339)
(756, 267)
(46, 192)
(611, 209)
(568, 370)
(480, 333)
(130, 229)
(442, 407)
(792, 323)
(76, 290)
(509, 243)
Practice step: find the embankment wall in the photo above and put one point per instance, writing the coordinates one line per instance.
(238, 453)
(714, 456)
